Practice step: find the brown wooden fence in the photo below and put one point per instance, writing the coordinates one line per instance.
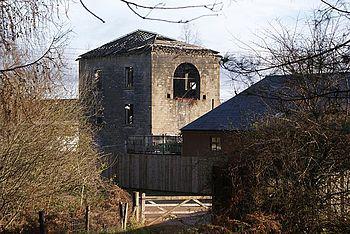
(166, 173)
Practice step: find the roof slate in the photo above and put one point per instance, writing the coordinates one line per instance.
(240, 111)
(136, 41)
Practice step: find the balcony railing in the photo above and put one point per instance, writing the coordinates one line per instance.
(162, 145)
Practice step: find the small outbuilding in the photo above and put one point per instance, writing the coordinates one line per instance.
(209, 134)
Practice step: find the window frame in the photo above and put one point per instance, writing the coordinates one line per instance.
(215, 143)
(129, 114)
(98, 79)
(129, 77)
(186, 82)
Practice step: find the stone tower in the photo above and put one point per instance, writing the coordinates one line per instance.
(146, 84)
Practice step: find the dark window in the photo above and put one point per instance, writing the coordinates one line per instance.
(98, 79)
(129, 77)
(99, 116)
(168, 95)
(212, 103)
(186, 81)
(215, 143)
(99, 120)
(129, 113)
(204, 97)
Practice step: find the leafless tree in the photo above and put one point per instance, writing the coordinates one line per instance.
(292, 168)
(46, 147)
(190, 34)
(47, 152)
(258, 63)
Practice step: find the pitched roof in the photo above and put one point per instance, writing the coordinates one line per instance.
(139, 40)
(241, 110)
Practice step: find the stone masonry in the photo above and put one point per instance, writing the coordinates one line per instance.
(154, 59)
(169, 115)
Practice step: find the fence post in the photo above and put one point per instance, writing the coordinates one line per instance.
(125, 221)
(143, 206)
(42, 222)
(87, 218)
(123, 208)
(121, 212)
(136, 208)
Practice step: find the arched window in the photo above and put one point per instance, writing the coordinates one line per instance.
(186, 81)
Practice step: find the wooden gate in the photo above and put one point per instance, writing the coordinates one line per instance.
(156, 209)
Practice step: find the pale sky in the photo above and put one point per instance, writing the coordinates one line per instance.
(239, 19)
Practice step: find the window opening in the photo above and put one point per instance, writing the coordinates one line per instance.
(129, 114)
(204, 97)
(99, 120)
(168, 95)
(212, 103)
(215, 143)
(98, 79)
(99, 116)
(129, 77)
(186, 82)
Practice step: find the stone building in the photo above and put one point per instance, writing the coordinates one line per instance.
(145, 84)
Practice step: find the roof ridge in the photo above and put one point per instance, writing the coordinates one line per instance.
(138, 39)
(126, 35)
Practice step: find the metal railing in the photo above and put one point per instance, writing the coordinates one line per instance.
(162, 145)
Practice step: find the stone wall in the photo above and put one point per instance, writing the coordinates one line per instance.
(154, 111)
(169, 115)
(114, 130)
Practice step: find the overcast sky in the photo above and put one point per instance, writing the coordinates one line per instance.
(239, 19)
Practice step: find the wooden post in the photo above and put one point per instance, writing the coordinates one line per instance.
(121, 213)
(125, 221)
(42, 222)
(143, 206)
(123, 208)
(136, 204)
(87, 219)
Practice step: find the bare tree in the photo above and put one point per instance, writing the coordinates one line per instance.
(190, 34)
(257, 63)
(46, 146)
(47, 152)
(292, 170)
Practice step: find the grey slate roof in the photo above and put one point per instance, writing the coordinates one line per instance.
(139, 40)
(240, 111)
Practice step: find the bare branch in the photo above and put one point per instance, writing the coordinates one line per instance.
(335, 8)
(168, 21)
(211, 7)
(247, 71)
(87, 9)
(214, 7)
(44, 55)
